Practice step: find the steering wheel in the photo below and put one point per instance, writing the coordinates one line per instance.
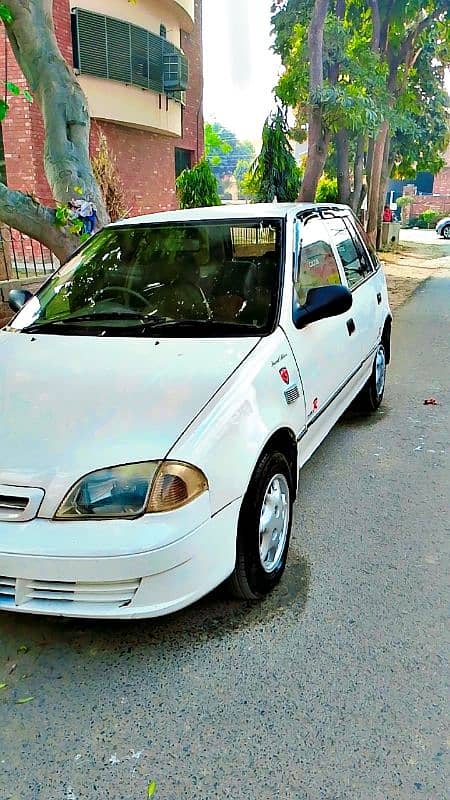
(124, 289)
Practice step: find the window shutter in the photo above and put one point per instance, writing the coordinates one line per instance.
(155, 62)
(92, 43)
(139, 56)
(118, 50)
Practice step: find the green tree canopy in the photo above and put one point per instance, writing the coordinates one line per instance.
(223, 150)
(275, 173)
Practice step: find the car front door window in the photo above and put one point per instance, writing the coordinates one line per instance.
(317, 264)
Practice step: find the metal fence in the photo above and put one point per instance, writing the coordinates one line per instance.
(23, 257)
(251, 234)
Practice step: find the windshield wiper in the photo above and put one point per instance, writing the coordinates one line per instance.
(80, 318)
(213, 324)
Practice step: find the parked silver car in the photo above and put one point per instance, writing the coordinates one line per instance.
(443, 228)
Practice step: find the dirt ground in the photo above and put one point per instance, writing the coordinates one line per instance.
(413, 263)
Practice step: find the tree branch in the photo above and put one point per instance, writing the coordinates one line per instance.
(315, 45)
(23, 213)
(376, 25)
(406, 50)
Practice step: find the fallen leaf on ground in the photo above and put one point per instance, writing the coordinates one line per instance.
(22, 649)
(151, 789)
(22, 700)
(3, 685)
(430, 401)
(12, 668)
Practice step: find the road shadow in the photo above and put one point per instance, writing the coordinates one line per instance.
(215, 616)
(355, 418)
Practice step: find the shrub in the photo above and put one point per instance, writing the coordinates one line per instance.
(429, 218)
(327, 190)
(105, 171)
(197, 187)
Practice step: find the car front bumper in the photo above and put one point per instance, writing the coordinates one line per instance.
(150, 583)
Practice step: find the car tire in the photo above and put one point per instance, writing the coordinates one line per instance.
(445, 232)
(371, 396)
(264, 529)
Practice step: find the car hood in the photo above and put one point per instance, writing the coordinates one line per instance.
(70, 405)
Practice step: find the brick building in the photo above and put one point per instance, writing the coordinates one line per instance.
(429, 193)
(140, 66)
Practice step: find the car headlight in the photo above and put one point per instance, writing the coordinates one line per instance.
(132, 490)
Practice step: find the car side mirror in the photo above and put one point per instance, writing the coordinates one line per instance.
(17, 298)
(323, 302)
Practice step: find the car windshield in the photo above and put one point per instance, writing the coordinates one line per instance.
(209, 278)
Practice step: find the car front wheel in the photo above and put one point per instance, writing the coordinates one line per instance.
(446, 232)
(264, 529)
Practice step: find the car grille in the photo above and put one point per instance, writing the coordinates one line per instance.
(7, 587)
(18, 503)
(19, 591)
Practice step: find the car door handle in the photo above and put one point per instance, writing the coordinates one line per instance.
(351, 327)
(379, 298)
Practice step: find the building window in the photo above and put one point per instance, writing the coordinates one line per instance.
(163, 31)
(183, 160)
(116, 50)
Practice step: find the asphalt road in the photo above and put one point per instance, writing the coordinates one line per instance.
(332, 689)
(419, 236)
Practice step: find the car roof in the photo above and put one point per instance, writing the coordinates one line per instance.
(235, 212)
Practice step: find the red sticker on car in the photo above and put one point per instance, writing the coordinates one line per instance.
(284, 374)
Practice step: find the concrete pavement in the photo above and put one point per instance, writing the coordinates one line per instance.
(332, 689)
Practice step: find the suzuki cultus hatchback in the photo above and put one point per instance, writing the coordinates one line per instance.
(160, 393)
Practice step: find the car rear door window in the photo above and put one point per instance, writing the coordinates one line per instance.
(317, 264)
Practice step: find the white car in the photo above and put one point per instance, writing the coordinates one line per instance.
(161, 392)
(443, 228)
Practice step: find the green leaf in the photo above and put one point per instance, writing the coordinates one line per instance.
(6, 14)
(61, 215)
(22, 700)
(4, 108)
(22, 649)
(76, 227)
(28, 96)
(151, 789)
(78, 189)
(12, 88)
(3, 685)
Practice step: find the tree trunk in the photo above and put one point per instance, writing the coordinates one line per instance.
(318, 139)
(343, 166)
(369, 162)
(386, 170)
(375, 182)
(61, 100)
(318, 143)
(357, 196)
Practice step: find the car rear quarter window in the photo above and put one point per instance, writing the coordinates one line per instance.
(362, 237)
(355, 260)
(317, 265)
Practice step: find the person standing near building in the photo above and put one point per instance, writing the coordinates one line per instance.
(387, 214)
